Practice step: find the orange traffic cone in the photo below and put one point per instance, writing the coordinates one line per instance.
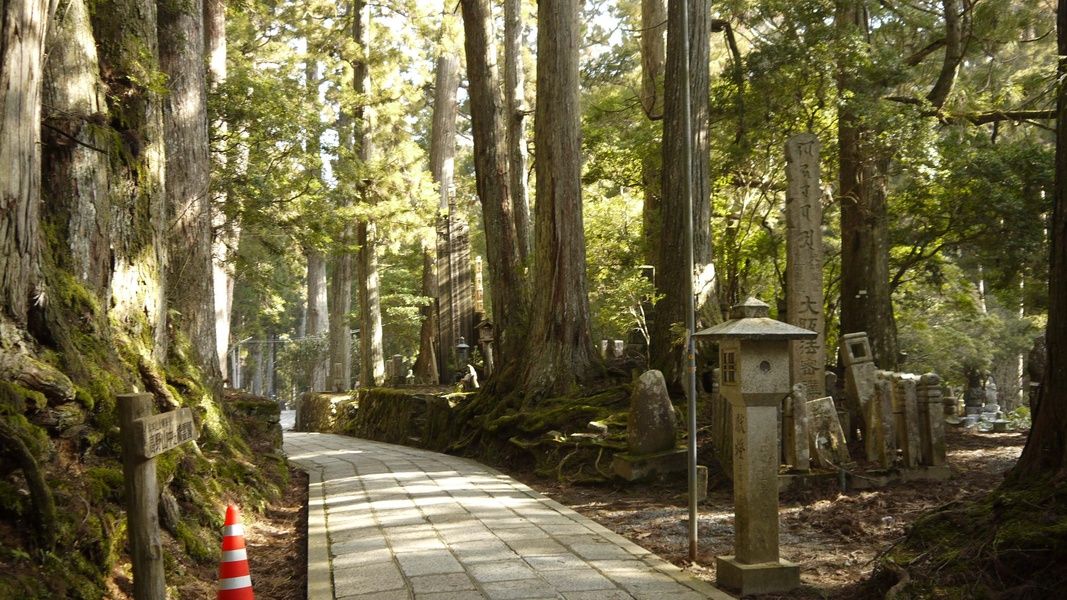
(235, 583)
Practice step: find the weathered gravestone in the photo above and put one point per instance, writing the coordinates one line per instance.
(827, 439)
(795, 429)
(906, 417)
(859, 372)
(931, 421)
(879, 434)
(651, 432)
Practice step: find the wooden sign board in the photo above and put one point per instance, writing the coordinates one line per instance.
(156, 434)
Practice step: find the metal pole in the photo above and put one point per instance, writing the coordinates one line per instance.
(690, 316)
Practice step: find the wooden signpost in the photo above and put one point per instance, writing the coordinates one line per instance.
(145, 436)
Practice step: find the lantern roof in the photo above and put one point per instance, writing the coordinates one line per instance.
(750, 320)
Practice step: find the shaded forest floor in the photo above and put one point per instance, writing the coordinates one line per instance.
(835, 537)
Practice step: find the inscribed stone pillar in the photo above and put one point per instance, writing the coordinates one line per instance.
(906, 417)
(795, 429)
(860, 371)
(931, 420)
(804, 291)
(879, 435)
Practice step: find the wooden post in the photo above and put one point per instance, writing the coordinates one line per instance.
(142, 501)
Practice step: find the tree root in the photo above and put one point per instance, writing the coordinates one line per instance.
(903, 579)
(40, 494)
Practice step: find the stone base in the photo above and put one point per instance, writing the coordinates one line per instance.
(634, 467)
(759, 578)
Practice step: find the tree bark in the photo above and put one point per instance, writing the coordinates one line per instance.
(1045, 454)
(515, 92)
(442, 167)
(950, 67)
(317, 314)
(129, 58)
(227, 231)
(667, 352)
(74, 171)
(188, 173)
(559, 351)
(507, 288)
(371, 355)
(653, 66)
(23, 28)
(866, 297)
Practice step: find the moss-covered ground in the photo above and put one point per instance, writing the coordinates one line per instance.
(75, 444)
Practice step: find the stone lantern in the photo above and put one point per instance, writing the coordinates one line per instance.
(754, 377)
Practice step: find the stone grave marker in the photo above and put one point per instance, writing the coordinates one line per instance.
(804, 262)
(827, 439)
(932, 420)
(651, 432)
(906, 417)
(860, 372)
(795, 429)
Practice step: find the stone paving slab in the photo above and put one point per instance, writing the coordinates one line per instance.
(391, 522)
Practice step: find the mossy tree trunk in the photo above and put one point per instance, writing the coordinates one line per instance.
(559, 352)
(506, 281)
(1045, 453)
(190, 295)
(23, 28)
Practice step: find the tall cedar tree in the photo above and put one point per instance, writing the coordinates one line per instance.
(1045, 453)
(371, 354)
(507, 286)
(442, 166)
(190, 293)
(672, 280)
(559, 351)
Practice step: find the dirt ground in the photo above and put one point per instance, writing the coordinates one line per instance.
(834, 536)
(277, 545)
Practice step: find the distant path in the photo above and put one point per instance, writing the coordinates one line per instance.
(388, 521)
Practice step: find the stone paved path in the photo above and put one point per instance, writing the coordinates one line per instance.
(388, 521)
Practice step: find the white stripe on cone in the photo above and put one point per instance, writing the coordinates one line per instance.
(234, 555)
(235, 583)
(232, 530)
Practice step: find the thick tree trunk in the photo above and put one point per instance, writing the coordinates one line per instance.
(425, 369)
(1045, 453)
(75, 167)
(189, 269)
(129, 54)
(227, 230)
(23, 28)
(866, 300)
(671, 277)
(442, 168)
(559, 352)
(316, 320)
(515, 92)
(507, 288)
(371, 355)
(339, 376)
(653, 66)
